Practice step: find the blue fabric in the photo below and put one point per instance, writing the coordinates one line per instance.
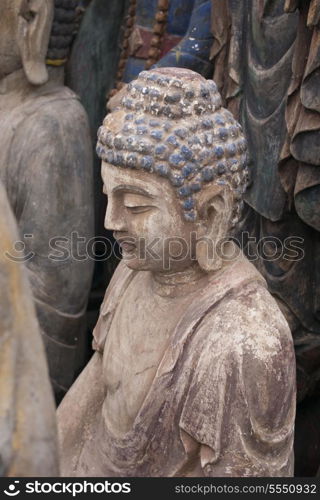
(188, 18)
(179, 14)
(193, 51)
(145, 13)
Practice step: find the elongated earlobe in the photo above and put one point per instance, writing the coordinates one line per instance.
(209, 260)
(216, 210)
(34, 27)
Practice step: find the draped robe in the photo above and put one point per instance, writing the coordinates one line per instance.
(226, 380)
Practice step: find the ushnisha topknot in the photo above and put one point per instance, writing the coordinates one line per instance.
(171, 123)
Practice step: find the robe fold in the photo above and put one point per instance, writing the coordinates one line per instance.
(227, 380)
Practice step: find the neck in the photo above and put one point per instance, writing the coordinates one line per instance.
(174, 284)
(18, 83)
(178, 283)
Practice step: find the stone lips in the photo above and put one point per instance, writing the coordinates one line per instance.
(177, 128)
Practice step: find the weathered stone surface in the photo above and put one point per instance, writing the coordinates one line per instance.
(275, 93)
(194, 372)
(27, 416)
(46, 168)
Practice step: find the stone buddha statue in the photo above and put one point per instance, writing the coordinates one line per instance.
(46, 168)
(194, 370)
(27, 413)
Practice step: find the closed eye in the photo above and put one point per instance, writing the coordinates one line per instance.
(139, 209)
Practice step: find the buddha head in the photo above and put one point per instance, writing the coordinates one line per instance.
(174, 168)
(35, 34)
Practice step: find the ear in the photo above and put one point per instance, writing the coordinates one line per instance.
(34, 27)
(215, 209)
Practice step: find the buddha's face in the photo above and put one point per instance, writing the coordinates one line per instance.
(10, 59)
(146, 219)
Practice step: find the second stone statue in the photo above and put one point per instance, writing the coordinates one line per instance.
(194, 370)
(46, 168)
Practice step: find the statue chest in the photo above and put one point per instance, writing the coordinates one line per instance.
(135, 344)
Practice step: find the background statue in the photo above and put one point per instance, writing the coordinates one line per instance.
(194, 373)
(46, 167)
(27, 413)
(266, 60)
(165, 33)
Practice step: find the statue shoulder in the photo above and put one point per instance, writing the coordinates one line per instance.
(63, 105)
(52, 135)
(56, 122)
(243, 382)
(51, 109)
(248, 321)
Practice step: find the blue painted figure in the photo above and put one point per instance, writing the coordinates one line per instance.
(170, 33)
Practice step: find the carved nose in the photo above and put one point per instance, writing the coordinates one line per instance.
(114, 220)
